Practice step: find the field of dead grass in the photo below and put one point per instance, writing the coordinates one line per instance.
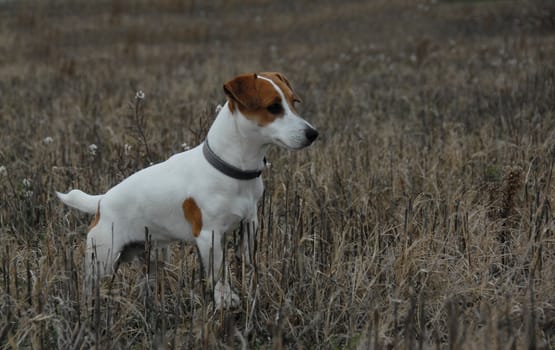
(421, 218)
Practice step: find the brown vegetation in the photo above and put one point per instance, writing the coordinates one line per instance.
(422, 216)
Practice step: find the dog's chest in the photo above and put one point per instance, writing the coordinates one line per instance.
(235, 204)
(246, 198)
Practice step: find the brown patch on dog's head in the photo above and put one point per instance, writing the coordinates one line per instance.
(96, 218)
(281, 81)
(257, 99)
(193, 215)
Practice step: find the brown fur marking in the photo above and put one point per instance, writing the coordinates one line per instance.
(96, 218)
(252, 96)
(193, 215)
(281, 81)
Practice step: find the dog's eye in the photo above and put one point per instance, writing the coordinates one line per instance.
(275, 108)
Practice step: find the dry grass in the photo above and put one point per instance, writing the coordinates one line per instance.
(422, 217)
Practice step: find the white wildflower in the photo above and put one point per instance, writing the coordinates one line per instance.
(47, 140)
(185, 146)
(127, 149)
(3, 170)
(26, 182)
(92, 149)
(140, 95)
(28, 194)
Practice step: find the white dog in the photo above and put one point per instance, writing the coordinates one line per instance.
(201, 194)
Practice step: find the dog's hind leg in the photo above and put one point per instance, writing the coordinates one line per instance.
(102, 251)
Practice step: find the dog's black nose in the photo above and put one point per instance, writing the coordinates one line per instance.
(311, 134)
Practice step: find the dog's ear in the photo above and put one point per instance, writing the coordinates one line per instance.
(282, 77)
(242, 90)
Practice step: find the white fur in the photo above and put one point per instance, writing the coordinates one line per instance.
(80, 200)
(153, 197)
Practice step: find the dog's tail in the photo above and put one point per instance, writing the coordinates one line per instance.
(80, 200)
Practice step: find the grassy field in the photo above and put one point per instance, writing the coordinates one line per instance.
(423, 217)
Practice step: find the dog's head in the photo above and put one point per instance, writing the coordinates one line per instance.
(266, 103)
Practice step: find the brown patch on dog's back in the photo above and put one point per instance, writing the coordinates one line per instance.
(193, 215)
(96, 218)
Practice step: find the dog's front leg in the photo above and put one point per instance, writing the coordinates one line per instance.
(209, 244)
(249, 229)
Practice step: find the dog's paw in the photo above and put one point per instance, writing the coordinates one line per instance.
(224, 297)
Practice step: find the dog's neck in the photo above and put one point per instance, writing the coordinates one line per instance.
(232, 146)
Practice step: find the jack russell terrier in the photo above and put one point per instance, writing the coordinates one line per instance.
(201, 194)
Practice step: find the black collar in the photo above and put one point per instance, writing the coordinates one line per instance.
(227, 168)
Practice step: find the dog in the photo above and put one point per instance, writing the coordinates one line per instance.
(201, 194)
